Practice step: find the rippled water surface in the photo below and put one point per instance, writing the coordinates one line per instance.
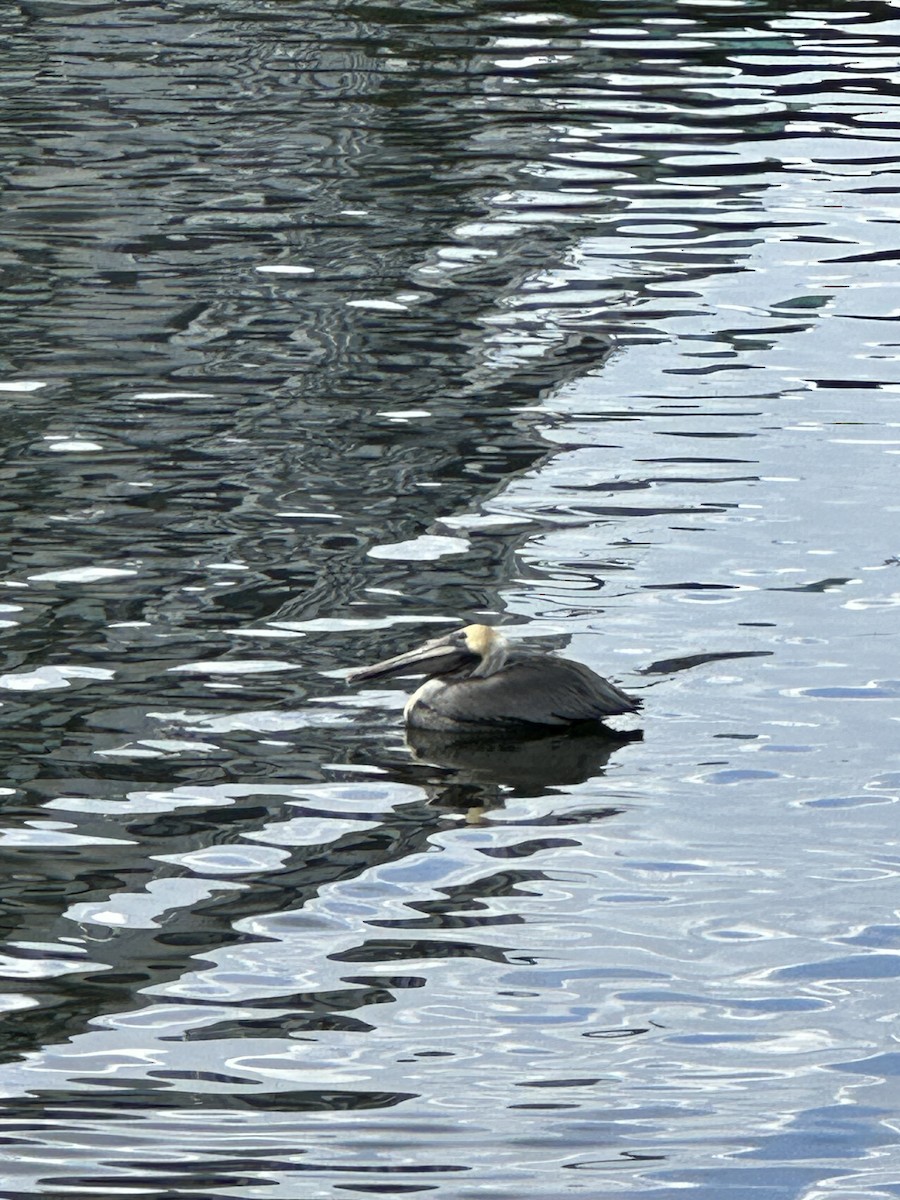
(332, 325)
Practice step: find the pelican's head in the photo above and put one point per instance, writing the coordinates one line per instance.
(488, 644)
(473, 650)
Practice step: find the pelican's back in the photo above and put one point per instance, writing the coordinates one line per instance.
(536, 690)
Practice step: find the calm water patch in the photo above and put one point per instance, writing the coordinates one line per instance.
(332, 326)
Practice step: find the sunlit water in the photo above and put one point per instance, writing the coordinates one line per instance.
(328, 326)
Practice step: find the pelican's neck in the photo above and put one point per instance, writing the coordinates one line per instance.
(493, 655)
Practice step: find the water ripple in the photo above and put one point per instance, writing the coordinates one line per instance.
(328, 321)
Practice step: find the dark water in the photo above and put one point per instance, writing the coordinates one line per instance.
(327, 325)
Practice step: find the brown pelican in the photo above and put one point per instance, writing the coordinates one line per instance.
(476, 682)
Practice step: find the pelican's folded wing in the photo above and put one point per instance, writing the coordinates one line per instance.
(533, 691)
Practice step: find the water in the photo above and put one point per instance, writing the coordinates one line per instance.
(330, 326)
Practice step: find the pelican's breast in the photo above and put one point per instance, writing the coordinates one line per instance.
(417, 709)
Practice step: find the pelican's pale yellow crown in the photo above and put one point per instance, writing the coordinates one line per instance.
(479, 638)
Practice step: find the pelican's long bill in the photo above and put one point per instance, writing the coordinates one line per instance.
(438, 657)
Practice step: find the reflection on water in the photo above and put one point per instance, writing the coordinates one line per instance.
(477, 769)
(325, 321)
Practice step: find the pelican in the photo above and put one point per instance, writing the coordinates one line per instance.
(476, 682)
